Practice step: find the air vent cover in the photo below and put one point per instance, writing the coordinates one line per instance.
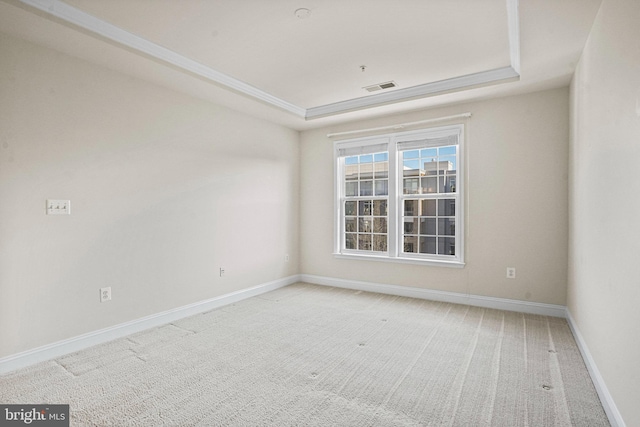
(380, 86)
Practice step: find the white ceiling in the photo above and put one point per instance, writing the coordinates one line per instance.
(257, 56)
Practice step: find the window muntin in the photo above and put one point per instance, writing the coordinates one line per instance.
(366, 190)
(416, 186)
(430, 170)
(429, 177)
(429, 226)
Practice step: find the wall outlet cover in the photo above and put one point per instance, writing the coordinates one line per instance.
(105, 294)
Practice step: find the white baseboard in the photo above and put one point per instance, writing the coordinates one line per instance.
(60, 348)
(452, 297)
(610, 408)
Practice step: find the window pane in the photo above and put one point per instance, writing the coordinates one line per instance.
(380, 207)
(366, 158)
(366, 171)
(449, 184)
(430, 166)
(411, 168)
(364, 225)
(351, 189)
(364, 242)
(447, 226)
(382, 187)
(350, 241)
(381, 157)
(428, 226)
(353, 160)
(351, 172)
(366, 188)
(429, 152)
(429, 207)
(429, 185)
(411, 185)
(350, 208)
(350, 225)
(379, 225)
(364, 207)
(411, 208)
(446, 245)
(413, 154)
(448, 150)
(411, 226)
(447, 163)
(381, 169)
(446, 207)
(410, 244)
(427, 245)
(379, 243)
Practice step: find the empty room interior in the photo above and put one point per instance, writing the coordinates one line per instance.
(320, 212)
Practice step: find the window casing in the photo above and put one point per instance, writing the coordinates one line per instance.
(399, 197)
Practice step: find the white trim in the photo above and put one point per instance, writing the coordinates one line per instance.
(444, 296)
(420, 91)
(513, 23)
(83, 341)
(395, 196)
(610, 408)
(400, 126)
(385, 258)
(105, 29)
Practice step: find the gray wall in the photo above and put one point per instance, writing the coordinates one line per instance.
(604, 244)
(164, 190)
(516, 202)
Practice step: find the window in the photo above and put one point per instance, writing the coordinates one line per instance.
(399, 196)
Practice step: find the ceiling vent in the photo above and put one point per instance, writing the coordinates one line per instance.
(380, 86)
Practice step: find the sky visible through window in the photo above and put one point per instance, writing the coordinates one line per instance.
(367, 158)
(411, 158)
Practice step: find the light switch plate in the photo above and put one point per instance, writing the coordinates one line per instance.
(58, 207)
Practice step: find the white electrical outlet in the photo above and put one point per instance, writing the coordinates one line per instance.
(286, 258)
(105, 294)
(58, 207)
(221, 272)
(511, 272)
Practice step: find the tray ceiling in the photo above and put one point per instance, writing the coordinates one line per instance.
(320, 66)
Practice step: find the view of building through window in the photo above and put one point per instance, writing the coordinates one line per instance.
(429, 223)
(366, 180)
(399, 195)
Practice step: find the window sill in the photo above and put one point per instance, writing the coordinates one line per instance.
(429, 262)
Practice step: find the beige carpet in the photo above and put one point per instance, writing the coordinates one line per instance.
(307, 355)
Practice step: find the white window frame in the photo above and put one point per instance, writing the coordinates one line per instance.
(395, 198)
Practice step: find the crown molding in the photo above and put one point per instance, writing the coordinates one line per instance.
(77, 17)
(102, 28)
(513, 23)
(415, 92)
